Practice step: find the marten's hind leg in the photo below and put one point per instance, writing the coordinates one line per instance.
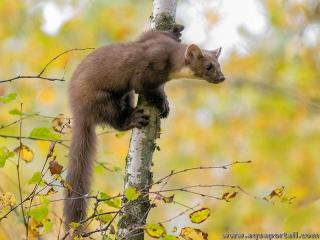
(118, 112)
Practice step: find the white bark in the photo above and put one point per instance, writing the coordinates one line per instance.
(163, 14)
(142, 145)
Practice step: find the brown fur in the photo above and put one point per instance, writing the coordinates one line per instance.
(101, 92)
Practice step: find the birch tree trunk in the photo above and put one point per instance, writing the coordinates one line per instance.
(142, 145)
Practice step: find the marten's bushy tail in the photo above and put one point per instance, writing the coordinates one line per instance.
(81, 157)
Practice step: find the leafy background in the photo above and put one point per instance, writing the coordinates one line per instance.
(267, 111)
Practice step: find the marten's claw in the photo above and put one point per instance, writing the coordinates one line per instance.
(164, 109)
(176, 31)
(139, 119)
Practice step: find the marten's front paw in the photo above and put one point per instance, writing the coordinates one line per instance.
(163, 105)
(164, 109)
(139, 118)
(176, 30)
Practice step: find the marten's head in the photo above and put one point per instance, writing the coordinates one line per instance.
(204, 63)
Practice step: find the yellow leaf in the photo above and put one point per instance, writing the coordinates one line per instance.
(132, 193)
(65, 185)
(60, 124)
(200, 215)
(26, 153)
(233, 195)
(51, 191)
(38, 228)
(227, 196)
(277, 192)
(74, 225)
(189, 233)
(168, 199)
(155, 230)
(33, 228)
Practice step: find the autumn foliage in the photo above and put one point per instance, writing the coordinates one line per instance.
(242, 156)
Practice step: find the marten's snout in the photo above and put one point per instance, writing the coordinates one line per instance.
(219, 77)
(222, 78)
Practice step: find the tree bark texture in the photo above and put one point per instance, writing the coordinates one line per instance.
(142, 145)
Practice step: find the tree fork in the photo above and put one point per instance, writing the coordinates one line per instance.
(142, 145)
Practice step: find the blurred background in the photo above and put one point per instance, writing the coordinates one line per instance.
(267, 111)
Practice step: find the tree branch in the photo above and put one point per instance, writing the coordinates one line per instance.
(142, 145)
(40, 74)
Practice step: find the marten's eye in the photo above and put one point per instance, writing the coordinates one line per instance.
(209, 66)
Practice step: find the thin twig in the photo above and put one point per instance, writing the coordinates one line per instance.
(205, 186)
(18, 175)
(40, 139)
(59, 55)
(49, 155)
(34, 138)
(226, 166)
(180, 214)
(40, 74)
(26, 77)
(14, 122)
(45, 116)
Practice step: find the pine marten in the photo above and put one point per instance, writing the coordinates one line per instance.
(102, 89)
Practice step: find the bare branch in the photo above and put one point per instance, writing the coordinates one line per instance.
(40, 74)
(18, 176)
(226, 166)
(26, 77)
(180, 214)
(14, 122)
(34, 138)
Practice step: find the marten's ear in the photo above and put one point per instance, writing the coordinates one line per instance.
(193, 52)
(217, 52)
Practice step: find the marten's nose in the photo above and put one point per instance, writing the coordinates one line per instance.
(222, 78)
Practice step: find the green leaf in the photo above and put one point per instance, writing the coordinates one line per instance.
(74, 225)
(4, 155)
(45, 200)
(116, 202)
(35, 179)
(44, 133)
(15, 112)
(39, 213)
(132, 193)
(104, 218)
(170, 237)
(155, 230)
(98, 169)
(10, 97)
(47, 225)
(200, 215)
(103, 195)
